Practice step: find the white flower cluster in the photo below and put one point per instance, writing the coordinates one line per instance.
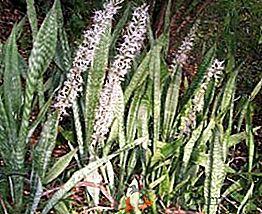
(215, 71)
(188, 121)
(84, 56)
(187, 45)
(132, 44)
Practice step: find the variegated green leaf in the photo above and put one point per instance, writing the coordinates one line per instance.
(154, 67)
(81, 174)
(31, 14)
(237, 138)
(59, 167)
(63, 53)
(236, 186)
(139, 77)
(61, 208)
(228, 93)
(39, 59)
(43, 150)
(171, 102)
(95, 82)
(215, 174)
(200, 74)
(36, 193)
(78, 128)
(132, 115)
(256, 90)
(5, 146)
(250, 138)
(12, 82)
(188, 149)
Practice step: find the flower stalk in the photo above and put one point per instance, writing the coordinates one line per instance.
(188, 120)
(132, 44)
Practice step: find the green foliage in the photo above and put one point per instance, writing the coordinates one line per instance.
(179, 158)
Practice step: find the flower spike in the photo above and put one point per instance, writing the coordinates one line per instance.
(84, 56)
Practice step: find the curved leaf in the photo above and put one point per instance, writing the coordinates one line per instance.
(81, 174)
(139, 77)
(12, 82)
(39, 59)
(43, 150)
(59, 167)
(215, 174)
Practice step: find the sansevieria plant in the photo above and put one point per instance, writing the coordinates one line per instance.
(138, 134)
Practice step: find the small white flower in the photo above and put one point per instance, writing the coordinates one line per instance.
(187, 45)
(216, 70)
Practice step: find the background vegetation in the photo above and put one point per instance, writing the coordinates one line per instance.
(180, 159)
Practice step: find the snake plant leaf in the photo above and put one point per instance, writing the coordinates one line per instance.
(157, 182)
(215, 174)
(138, 78)
(78, 128)
(236, 186)
(200, 74)
(43, 150)
(40, 117)
(95, 81)
(5, 147)
(113, 134)
(154, 70)
(228, 93)
(143, 118)
(241, 208)
(59, 167)
(132, 115)
(250, 138)
(23, 67)
(167, 18)
(165, 184)
(119, 112)
(110, 175)
(12, 82)
(189, 147)
(209, 97)
(256, 90)
(42, 53)
(19, 27)
(61, 208)
(41, 158)
(63, 54)
(143, 130)
(36, 193)
(243, 110)
(31, 14)
(237, 138)
(1, 60)
(132, 161)
(171, 102)
(81, 174)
